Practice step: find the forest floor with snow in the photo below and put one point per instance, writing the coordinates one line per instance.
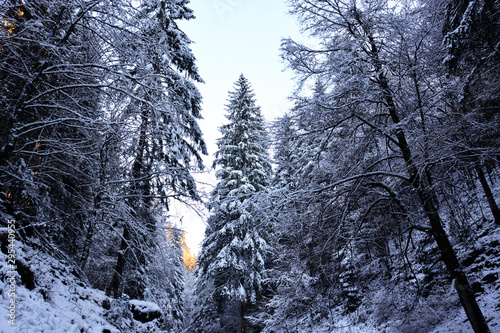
(482, 263)
(49, 297)
(53, 300)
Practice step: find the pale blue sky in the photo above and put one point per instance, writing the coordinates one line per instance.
(231, 37)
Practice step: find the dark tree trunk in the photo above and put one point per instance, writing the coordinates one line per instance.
(462, 286)
(428, 199)
(487, 191)
(137, 168)
(115, 284)
(241, 317)
(87, 245)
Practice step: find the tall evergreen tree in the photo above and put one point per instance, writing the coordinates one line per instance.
(232, 256)
(162, 120)
(98, 130)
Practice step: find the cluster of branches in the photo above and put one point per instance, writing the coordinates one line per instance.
(98, 131)
(386, 158)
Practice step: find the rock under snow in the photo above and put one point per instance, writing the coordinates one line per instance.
(144, 311)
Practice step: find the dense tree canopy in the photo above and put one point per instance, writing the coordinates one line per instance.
(383, 190)
(99, 131)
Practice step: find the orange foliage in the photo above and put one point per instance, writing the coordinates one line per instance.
(188, 256)
(7, 27)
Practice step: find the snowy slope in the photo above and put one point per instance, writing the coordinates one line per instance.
(58, 301)
(440, 313)
(483, 267)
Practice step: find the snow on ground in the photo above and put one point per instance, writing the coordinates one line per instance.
(58, 301)
(54, 300)
(483, 269)
(482, 262)
(490, 305)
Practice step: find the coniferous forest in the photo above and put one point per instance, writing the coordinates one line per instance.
(372, 205)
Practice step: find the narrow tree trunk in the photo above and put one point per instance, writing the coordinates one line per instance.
(448, 256)
(87, 245)
(241, 317)
(97, 206)
(461, 284)
(428, 198)
(114, 286)
(7, 150)
(487, 191)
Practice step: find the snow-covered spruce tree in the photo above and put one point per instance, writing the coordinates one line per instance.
(163, 137)
(231, 261)
(165, 277)
(284, 133)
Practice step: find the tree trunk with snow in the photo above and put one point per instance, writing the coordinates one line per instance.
(115, 284)
(489, 194)
(428, 199)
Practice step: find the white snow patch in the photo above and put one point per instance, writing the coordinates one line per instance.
(59, 302)
(144, 306)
